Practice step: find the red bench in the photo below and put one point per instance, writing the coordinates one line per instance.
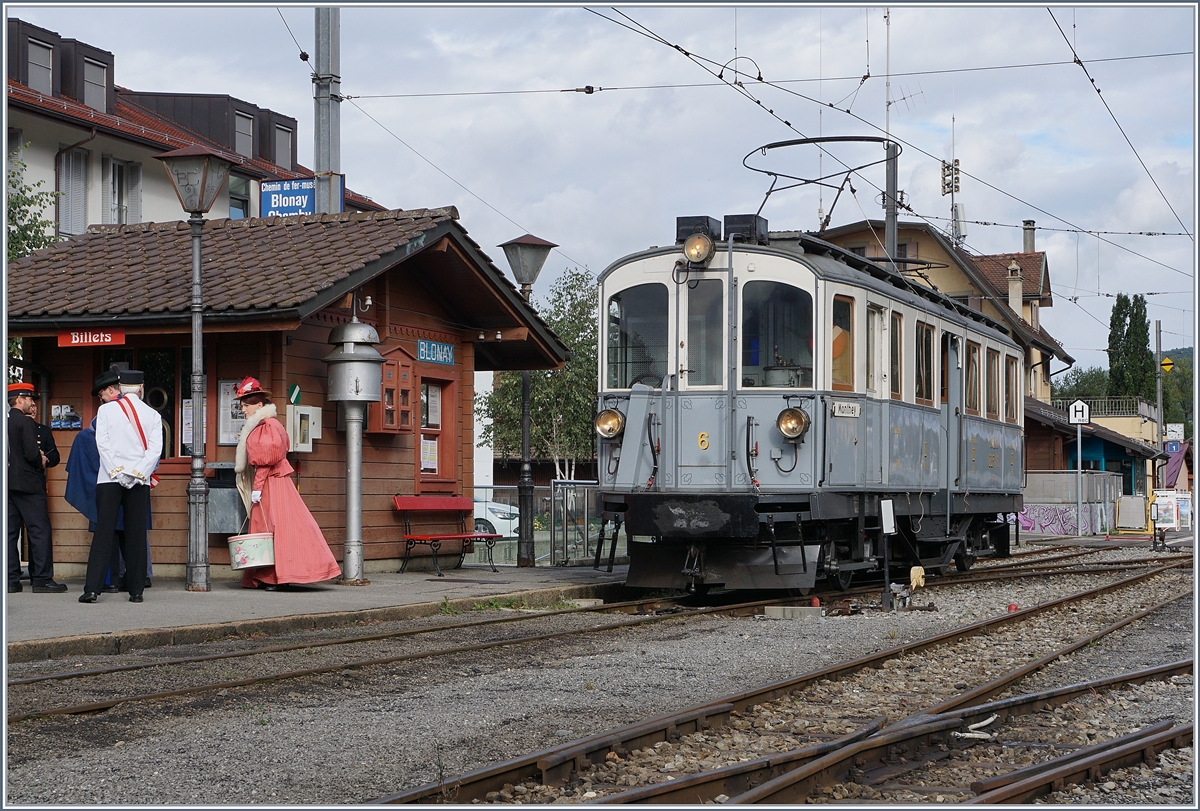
(459, 505)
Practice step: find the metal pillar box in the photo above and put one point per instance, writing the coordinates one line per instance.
(354, 365)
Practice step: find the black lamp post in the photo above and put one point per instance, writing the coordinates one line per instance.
(197, 174)
(526, 255)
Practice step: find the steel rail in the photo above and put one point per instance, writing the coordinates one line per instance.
(744, 776)
(595, 748)
(1143, 749)
(909, 742)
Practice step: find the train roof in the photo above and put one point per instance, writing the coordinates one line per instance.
(834, 262)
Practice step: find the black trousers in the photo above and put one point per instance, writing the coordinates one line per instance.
(30, 509)
(110, 498)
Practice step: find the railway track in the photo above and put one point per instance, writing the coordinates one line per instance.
(597, 761)
(36, 695)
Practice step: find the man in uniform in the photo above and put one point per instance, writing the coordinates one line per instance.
(27, 496)
(129, 443)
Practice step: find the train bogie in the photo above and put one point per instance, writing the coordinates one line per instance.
(760, 403)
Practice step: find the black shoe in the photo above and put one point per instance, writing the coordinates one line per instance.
(13, 588)
(148, 583)
(89, 597)
(268, 587)
(49, 587)
(110, 590)
(135, 598)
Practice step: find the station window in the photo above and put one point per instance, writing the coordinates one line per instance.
(896, 356)
(972, 394)
(993, 384)
(776, 335)
(431, 428)
(161, 366)
(636, 336)
(841, 344)
(1011, 396)
(924, 370)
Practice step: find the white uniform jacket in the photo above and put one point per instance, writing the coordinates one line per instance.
(120, 443)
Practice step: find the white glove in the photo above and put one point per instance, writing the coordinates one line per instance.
(127, 481)
(256, 496)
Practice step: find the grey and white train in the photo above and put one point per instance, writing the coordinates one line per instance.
(763, 398)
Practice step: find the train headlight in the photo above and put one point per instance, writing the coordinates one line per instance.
(792, 422)
(609, 423)
(698, 248)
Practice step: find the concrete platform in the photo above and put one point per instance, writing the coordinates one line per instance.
(42, 626)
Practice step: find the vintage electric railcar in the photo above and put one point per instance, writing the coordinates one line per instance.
(762, 396)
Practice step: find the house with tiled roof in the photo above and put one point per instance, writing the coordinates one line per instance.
(274, 289)
(94, 142)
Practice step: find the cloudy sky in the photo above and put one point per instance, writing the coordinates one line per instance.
(459, 105)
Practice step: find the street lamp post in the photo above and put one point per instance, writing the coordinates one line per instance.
(197, 175)
(526, 255)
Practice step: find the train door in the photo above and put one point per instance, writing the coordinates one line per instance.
(702, 364)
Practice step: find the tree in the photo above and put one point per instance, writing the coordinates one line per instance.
(28, 229)
(1130, 361)
(1079, 384)
(562, 402)
(1178, 387)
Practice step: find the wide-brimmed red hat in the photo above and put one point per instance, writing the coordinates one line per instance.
(21, 388)
(248, 386)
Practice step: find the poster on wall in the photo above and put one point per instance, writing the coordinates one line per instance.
(232, 419)
(429, 455)
(1185, 510)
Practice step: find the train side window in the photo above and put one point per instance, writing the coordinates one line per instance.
(1011, 380)
(896, 356)
(972, 399)
(841, 344)
(924, 370)
(776, 336)
(993, 384)
(636, 336)
(945, 378)
(704, 333)
(874, 324)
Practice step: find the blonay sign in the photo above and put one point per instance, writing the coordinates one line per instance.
(283, 198)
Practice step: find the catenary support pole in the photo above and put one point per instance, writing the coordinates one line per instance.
(889, 204)
(1158, 373)
(327, 94)
(197, 565)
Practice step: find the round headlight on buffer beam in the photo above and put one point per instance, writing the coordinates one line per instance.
(698, 248)
(792, 422)
(609, 423)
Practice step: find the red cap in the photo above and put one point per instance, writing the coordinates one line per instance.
(21, 388)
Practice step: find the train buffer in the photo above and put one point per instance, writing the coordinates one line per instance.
(463, 507)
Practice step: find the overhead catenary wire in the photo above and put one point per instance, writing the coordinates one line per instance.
(1104, 101)
(697, 59)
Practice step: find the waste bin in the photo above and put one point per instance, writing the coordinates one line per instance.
(226, 513)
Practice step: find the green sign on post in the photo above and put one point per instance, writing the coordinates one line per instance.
(294, 394)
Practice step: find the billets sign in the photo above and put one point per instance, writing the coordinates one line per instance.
(92, 337)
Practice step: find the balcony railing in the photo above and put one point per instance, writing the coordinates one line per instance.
(1114, 407)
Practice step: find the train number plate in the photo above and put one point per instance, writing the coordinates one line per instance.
(841, 409)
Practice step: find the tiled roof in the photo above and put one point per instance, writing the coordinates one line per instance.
(259, 264)
(1175, 465)
(1057, 418)
(993, 268)
(135, 122)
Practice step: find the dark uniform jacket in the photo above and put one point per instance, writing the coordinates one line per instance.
(45, 441)
(25, 473)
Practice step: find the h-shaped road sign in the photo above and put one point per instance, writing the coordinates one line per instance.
(1079, 413)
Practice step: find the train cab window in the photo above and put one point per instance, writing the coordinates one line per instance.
(637, 336)
(972, 398)
(896, 355)
(1010, 388)
(841, 344)
(776, 335)
(705, 335)
(924, 370)
(993, 384)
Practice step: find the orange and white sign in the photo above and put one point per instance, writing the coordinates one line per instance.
(91, 337)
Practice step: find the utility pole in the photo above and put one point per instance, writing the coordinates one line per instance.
(327, 97)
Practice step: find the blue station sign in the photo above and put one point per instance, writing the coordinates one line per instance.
(433, 352)
(282, 198)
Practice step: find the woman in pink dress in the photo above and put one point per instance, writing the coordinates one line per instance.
(272, 501)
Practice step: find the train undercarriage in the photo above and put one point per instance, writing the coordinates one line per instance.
(697, 542)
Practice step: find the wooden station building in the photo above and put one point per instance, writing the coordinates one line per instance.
(273, 290)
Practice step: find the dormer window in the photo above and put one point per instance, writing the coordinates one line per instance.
(243, 134)
(41, 67)
(95, 85)
(283, 147)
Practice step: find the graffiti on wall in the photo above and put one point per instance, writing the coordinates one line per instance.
(1062, 519)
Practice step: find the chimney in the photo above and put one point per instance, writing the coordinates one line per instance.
(1027, 227)
(1014, 282)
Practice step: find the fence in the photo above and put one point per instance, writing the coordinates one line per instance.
(1051, 502)
(566, 526)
